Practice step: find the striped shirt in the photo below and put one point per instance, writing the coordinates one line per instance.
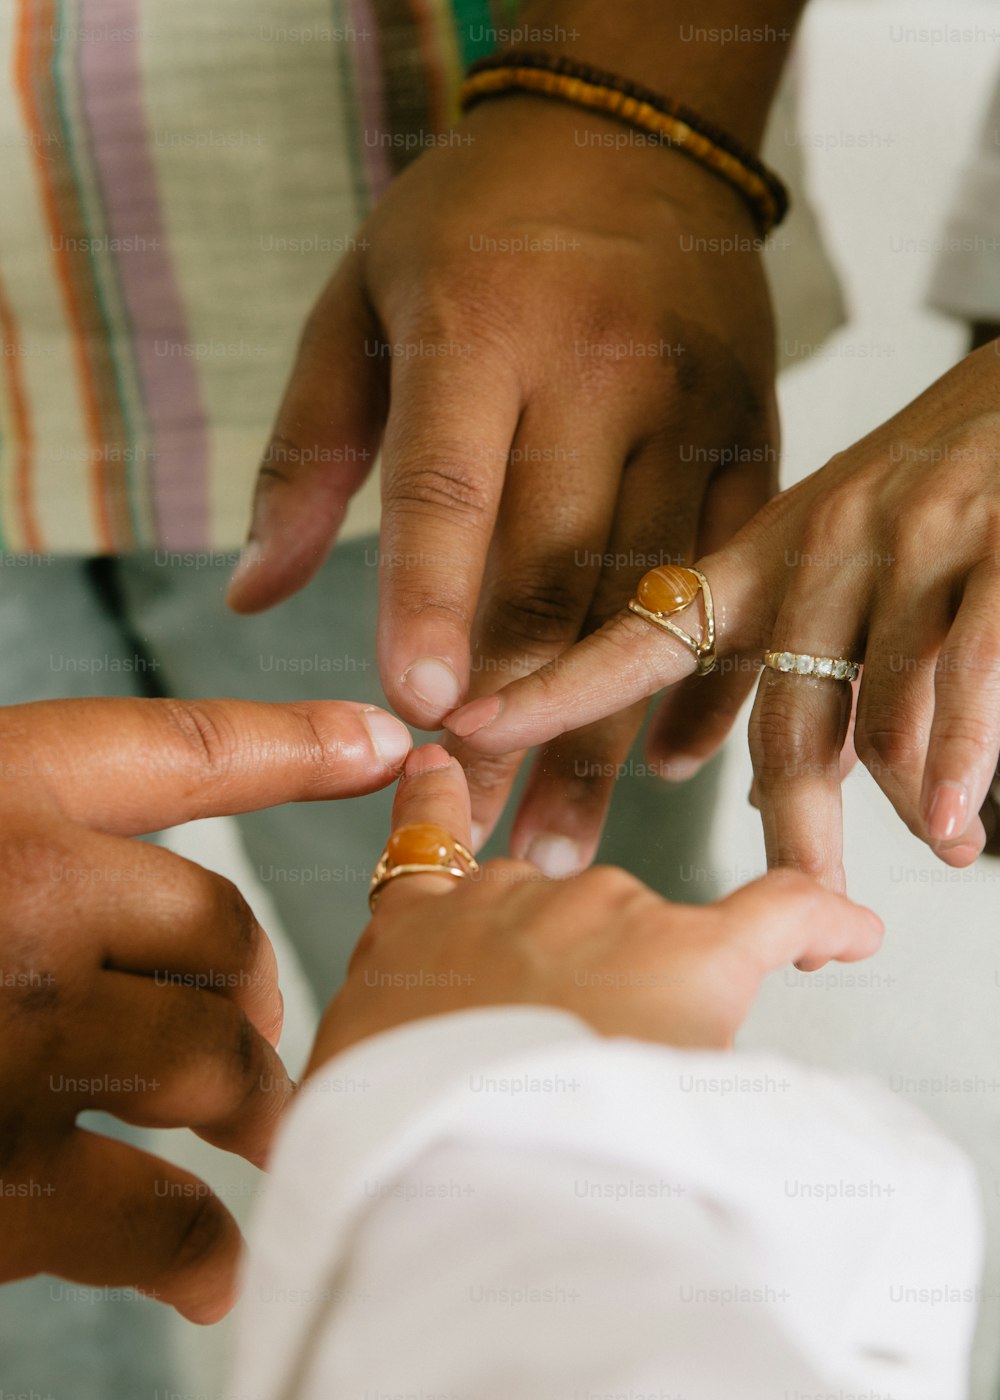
(177, 180)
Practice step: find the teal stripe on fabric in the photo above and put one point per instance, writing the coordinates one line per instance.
(65, 26)
(475, 29)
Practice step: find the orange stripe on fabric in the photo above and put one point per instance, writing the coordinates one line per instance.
(31, 42)
(21, 415)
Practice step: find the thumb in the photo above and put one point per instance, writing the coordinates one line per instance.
(321, 450)
(198, 758)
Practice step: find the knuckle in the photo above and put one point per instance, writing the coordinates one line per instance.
(420, 604)
(829, 514)
(976, 736)
(781, 737)
(218, 1064)
(250, 1056)
(240, 1064)
(232, 916)
(466, 301)
(202, 733)
(282, 456)
(244, 1053)
(610, 884)
(438, 483)
(30, 860)
(324, 743)
(886, 748)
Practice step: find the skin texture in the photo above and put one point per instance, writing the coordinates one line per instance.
(889, 554)
(600, 945)
(135, 982)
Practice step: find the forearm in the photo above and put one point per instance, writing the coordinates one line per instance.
(722, 57)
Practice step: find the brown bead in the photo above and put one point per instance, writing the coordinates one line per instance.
(668, 589)
(422, 843)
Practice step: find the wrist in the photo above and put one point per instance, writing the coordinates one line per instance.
(614, 161)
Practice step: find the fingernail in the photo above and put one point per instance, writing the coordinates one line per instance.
(250, 559)
(390, 737)
(555, 856)
(429, 758)
(948, 812)
(478, 832)
(434, 682)
(681, 768)
(474, 716)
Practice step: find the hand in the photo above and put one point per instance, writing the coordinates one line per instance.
(601, 945)
(570, 348)
(135, 982)
(891, 555)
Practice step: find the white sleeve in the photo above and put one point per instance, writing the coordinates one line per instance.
(966, 280)
(500, 1205)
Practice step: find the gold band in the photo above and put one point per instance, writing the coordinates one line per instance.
(421, 849)
(826, 668)
(687, 583)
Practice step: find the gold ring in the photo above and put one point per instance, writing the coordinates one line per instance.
(827, 668)
(422, 848)
(670, 589)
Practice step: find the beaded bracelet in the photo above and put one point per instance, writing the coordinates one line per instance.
(553, 75)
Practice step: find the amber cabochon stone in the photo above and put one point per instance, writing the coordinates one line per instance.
(422, 843)
(668, 589)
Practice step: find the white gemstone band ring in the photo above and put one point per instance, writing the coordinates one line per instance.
(830, 668)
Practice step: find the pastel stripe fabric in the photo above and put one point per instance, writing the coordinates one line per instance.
(178, 178)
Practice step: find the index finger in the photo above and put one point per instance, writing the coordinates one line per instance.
(626, 660)
(443, 467)
(129, 766)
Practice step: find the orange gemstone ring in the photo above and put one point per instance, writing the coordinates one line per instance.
(671, 588)
(423, 848)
